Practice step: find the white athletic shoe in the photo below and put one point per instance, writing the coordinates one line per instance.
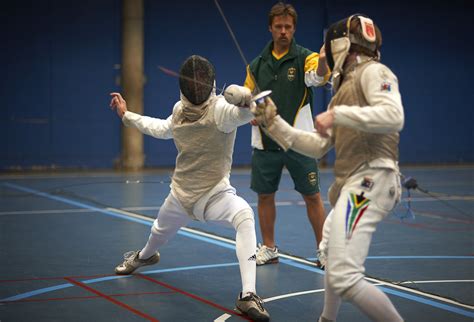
(266, 255)
(252, 306)
(132, 262)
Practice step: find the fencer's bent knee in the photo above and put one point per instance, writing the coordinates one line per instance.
(154, 228)
(342, 281)
(241, 216)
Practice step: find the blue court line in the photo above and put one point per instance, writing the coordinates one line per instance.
(76, 203)
(420, 257)
(209, 240)
(111, 213)
(428, 302)
(108, 278)
(412, 257)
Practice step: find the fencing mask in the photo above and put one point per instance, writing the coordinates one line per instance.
(357, 32)
(196, 79)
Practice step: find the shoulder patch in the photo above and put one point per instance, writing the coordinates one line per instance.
(386, 86)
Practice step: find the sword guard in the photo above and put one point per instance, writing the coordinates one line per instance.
(260, 96)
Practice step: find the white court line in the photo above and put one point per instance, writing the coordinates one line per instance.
(210, 237)
(429, 295)
(286, 295)
(252, 204)
(439, 281)
(66, 211)
(224, 317)
(42, 212)
(373, 280)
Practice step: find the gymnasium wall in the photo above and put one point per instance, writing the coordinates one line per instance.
(60, 59)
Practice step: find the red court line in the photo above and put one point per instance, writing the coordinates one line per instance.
(111, 299)
(82, 297)
(193, 296)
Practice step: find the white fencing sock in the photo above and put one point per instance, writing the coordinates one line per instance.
(154, 242)
(161, 233)
(246, 241)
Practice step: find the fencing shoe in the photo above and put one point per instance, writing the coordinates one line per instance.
(252, 306)
(266, 255)
(132, 262)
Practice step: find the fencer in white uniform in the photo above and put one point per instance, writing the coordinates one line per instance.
(203, 127)
(362, 124)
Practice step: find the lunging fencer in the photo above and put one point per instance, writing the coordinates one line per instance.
(362, 123)
(203, 127)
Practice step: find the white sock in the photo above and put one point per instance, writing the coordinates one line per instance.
(373, 302)
(332, 302)
(155, 241)
(245, 249)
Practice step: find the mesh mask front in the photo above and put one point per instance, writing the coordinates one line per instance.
(196, 79)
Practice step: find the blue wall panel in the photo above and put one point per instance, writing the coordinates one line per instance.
(60, 60)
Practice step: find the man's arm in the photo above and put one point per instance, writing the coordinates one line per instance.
(229, 116)
(384, 114)
(385, 111)
(308, 143)
(316, 70)
(158, 128)
(250, 80)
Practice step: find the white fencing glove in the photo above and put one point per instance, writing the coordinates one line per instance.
(264, 111)
(238, 95)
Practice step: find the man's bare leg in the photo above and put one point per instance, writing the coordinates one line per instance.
(267, 218)
(316, 214)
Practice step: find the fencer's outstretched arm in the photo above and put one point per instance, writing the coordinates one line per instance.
(158, 128)
(228, 117)
(233, 110)
(308, 143)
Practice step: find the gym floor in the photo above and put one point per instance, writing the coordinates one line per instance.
(62, 234)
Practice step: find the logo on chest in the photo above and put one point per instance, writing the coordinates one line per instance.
(291, 74)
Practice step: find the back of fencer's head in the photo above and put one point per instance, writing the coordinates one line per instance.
(366, 37)
(355, 34)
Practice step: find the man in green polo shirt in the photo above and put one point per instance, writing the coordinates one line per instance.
(289, 70)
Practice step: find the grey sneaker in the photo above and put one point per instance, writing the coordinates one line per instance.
(252, 306)
(266, 255)
(132, 262)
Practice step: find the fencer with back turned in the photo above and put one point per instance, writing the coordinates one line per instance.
(362, 124)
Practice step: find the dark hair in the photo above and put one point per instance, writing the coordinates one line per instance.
(282, 9)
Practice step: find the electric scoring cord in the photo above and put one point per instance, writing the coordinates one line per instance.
(410, 183)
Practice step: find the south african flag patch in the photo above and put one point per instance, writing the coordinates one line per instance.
(356, 206)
